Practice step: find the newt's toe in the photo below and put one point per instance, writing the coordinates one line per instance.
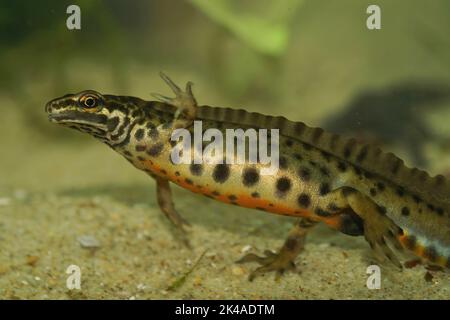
(269, 262)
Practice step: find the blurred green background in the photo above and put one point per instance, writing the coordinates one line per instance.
(313, 61)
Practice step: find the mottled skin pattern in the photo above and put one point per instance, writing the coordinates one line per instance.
(311, 184)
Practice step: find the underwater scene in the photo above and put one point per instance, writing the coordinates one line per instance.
(225, 149)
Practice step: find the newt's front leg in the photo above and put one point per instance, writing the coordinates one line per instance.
(186, 108)
(284, 259)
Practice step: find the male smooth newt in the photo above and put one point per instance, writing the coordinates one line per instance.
(323, 177)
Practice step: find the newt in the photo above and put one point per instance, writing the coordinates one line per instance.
(353, 187)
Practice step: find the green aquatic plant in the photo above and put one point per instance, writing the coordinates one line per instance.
(182, 279)
(264, 26)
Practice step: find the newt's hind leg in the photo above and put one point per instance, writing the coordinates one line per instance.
(184, 101)
(164, 197)
(379, 229)
(284, 259)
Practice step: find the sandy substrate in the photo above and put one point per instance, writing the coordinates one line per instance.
(55, 198)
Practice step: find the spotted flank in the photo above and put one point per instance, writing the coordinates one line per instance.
(322, 177)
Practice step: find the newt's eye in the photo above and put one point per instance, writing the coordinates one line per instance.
(89, 101)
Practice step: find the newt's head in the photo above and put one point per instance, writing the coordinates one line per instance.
(105, 117)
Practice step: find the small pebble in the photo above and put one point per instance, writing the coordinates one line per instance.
(5, 202)
(237, 271)
(246, 248)
(88, 242)
(141, 286)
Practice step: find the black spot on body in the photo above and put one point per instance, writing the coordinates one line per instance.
(250, 177)
(153, 133)
(221, 173)
(304, 200)
(139, 134)
(232, 197)
(283, 184)
(255, 195)
(373, 192)
(140, 148)
(155, 150)
(189, 181)
(136, 113)
(196, 169)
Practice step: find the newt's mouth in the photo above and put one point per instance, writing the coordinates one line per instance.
(73, 116)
